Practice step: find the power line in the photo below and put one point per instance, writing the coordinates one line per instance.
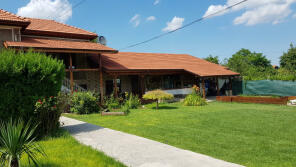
(187, 25)
(75, 6)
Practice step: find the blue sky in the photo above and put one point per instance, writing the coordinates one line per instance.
(248, 26)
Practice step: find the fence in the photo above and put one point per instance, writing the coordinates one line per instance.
(265, 87)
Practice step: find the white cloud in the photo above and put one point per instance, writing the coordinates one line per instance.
(294, 16)
(59, 10)
(256, 11)
(136, 20)
(151, 18)
(176, 23)
(156, 2)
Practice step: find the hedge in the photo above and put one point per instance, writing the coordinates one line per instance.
(25, 78)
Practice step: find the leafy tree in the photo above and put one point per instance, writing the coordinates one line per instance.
(212, 59)
(158, 95)
(244, 60)
(288, 60)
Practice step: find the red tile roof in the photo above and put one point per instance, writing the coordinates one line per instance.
(45, 27)
(53, 28)
(43, 43)
(155, 61)
(8, 18)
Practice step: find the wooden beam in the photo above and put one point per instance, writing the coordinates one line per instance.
(82, 70)
(115, 89)
(217, 86)
(141, 85)
(230, 86)
(71, 74)
(203, 88)
(182, 81)
(101, 80)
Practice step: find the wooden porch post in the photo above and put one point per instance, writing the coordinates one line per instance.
(115, 89)
(142, 85)
(182, 81)
(71, 74)
(230, 86)
(101, 80)
(217, 86)
(203, 88)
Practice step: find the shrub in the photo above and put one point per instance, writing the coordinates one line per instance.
(25, 78)
(125, 109)
(112, 102)
(158, 95)
(84, 103)
(132, 101)
(17, 139)
(64, 102)
(48, 112)
(194, 99)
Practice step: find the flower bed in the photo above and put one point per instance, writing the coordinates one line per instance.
(260, 100)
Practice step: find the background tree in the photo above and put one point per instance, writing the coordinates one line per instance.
(244, 60)
(212, 59)
(288, 60)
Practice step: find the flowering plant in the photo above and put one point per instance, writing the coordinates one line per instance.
(47, 113)
(196, 89)
(194, 99)
(46, 104)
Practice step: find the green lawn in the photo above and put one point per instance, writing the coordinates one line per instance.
(65, 151)
(248, 134)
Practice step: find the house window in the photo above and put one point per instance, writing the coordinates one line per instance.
(189, 81)
(153, 82)
(172, 82)
(163, 82)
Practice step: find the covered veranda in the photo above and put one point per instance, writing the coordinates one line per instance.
(174, 73)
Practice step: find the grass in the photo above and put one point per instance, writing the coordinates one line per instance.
(253, 135)
(64, 151)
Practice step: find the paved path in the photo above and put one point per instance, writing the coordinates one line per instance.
(135, 151)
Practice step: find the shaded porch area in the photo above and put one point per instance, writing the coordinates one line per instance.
(174, 73)
(179, 83)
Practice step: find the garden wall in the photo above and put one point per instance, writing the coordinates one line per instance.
(259, 100)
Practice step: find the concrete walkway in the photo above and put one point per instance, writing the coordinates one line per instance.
(135, 151)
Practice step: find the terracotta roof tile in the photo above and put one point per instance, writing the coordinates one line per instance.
(53, 28)
(158, 61)
(42, 43)
(45, 27)
(12, 18)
